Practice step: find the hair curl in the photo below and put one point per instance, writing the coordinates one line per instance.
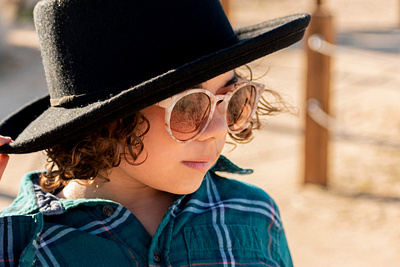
(271, 103)
(92, 156)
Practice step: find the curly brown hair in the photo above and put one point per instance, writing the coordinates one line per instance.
(92, 156)
(271, 103)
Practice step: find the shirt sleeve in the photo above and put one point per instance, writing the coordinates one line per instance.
(17, 233)
(280, 250)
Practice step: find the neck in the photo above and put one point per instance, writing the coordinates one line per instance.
(147, 204)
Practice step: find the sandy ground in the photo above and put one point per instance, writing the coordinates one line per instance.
(353, 222)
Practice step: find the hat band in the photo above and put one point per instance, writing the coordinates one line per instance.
(67, 101)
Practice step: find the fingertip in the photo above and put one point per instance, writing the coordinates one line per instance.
(3, 163)
(5, 140)
(4, 157)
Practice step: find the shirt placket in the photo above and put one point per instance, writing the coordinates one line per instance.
(161, 242)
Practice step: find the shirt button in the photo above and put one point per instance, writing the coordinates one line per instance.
(156, 257)
(108, 210)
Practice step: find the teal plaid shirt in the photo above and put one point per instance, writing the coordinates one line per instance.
(224, 223)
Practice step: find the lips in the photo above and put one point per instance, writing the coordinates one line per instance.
(200, 165)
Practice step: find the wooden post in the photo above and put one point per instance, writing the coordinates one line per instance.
(318, 87)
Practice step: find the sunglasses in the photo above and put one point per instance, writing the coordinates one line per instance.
(188, 114)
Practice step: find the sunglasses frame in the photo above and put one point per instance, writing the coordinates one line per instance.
(169, 104)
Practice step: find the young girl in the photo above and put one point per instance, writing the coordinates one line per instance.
(142, 97)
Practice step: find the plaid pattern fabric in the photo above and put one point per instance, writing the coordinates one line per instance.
(224, 223)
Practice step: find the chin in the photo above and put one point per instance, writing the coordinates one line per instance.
(186, 189)
(186, 183)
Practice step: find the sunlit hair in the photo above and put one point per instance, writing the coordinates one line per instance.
(91, 156)
(94, 155)
(271, 103)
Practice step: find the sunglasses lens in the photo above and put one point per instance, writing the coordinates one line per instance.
(189, 116)
(240, 107)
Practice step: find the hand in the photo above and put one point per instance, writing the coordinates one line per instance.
(4, 158)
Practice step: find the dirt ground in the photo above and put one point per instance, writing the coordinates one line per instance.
(355, 220)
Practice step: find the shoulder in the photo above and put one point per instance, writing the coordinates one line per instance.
(240, 202)
(248, 205)
(241, 214)
(232, 189)
(21, 222)
(25, 203)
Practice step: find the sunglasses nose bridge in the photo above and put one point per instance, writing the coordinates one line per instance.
(221, 103)
(219, 99)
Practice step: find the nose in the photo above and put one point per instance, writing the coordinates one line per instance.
(217, 128)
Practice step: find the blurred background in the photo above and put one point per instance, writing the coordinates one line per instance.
(352, 219)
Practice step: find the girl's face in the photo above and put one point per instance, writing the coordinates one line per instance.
(174, 167)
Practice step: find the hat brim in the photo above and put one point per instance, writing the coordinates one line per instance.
(38, 125)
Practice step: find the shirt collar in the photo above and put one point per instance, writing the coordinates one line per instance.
(49, 204)
(225, 165)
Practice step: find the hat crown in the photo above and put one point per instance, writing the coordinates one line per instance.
(94, 48)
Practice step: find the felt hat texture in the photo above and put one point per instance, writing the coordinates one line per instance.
(107, 59)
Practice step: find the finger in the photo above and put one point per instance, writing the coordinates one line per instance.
(4, 158)
(5, 140)
(3, 163)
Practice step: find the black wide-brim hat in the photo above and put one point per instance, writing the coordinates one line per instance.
(107, 59)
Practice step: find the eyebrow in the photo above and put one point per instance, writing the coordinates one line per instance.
(231, 81)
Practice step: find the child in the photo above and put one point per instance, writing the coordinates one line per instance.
(142, 96)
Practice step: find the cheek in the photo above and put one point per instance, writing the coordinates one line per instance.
(162, 158)
(156, 117)
(157, 141)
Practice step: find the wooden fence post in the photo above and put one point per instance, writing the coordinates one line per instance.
(318, 87)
